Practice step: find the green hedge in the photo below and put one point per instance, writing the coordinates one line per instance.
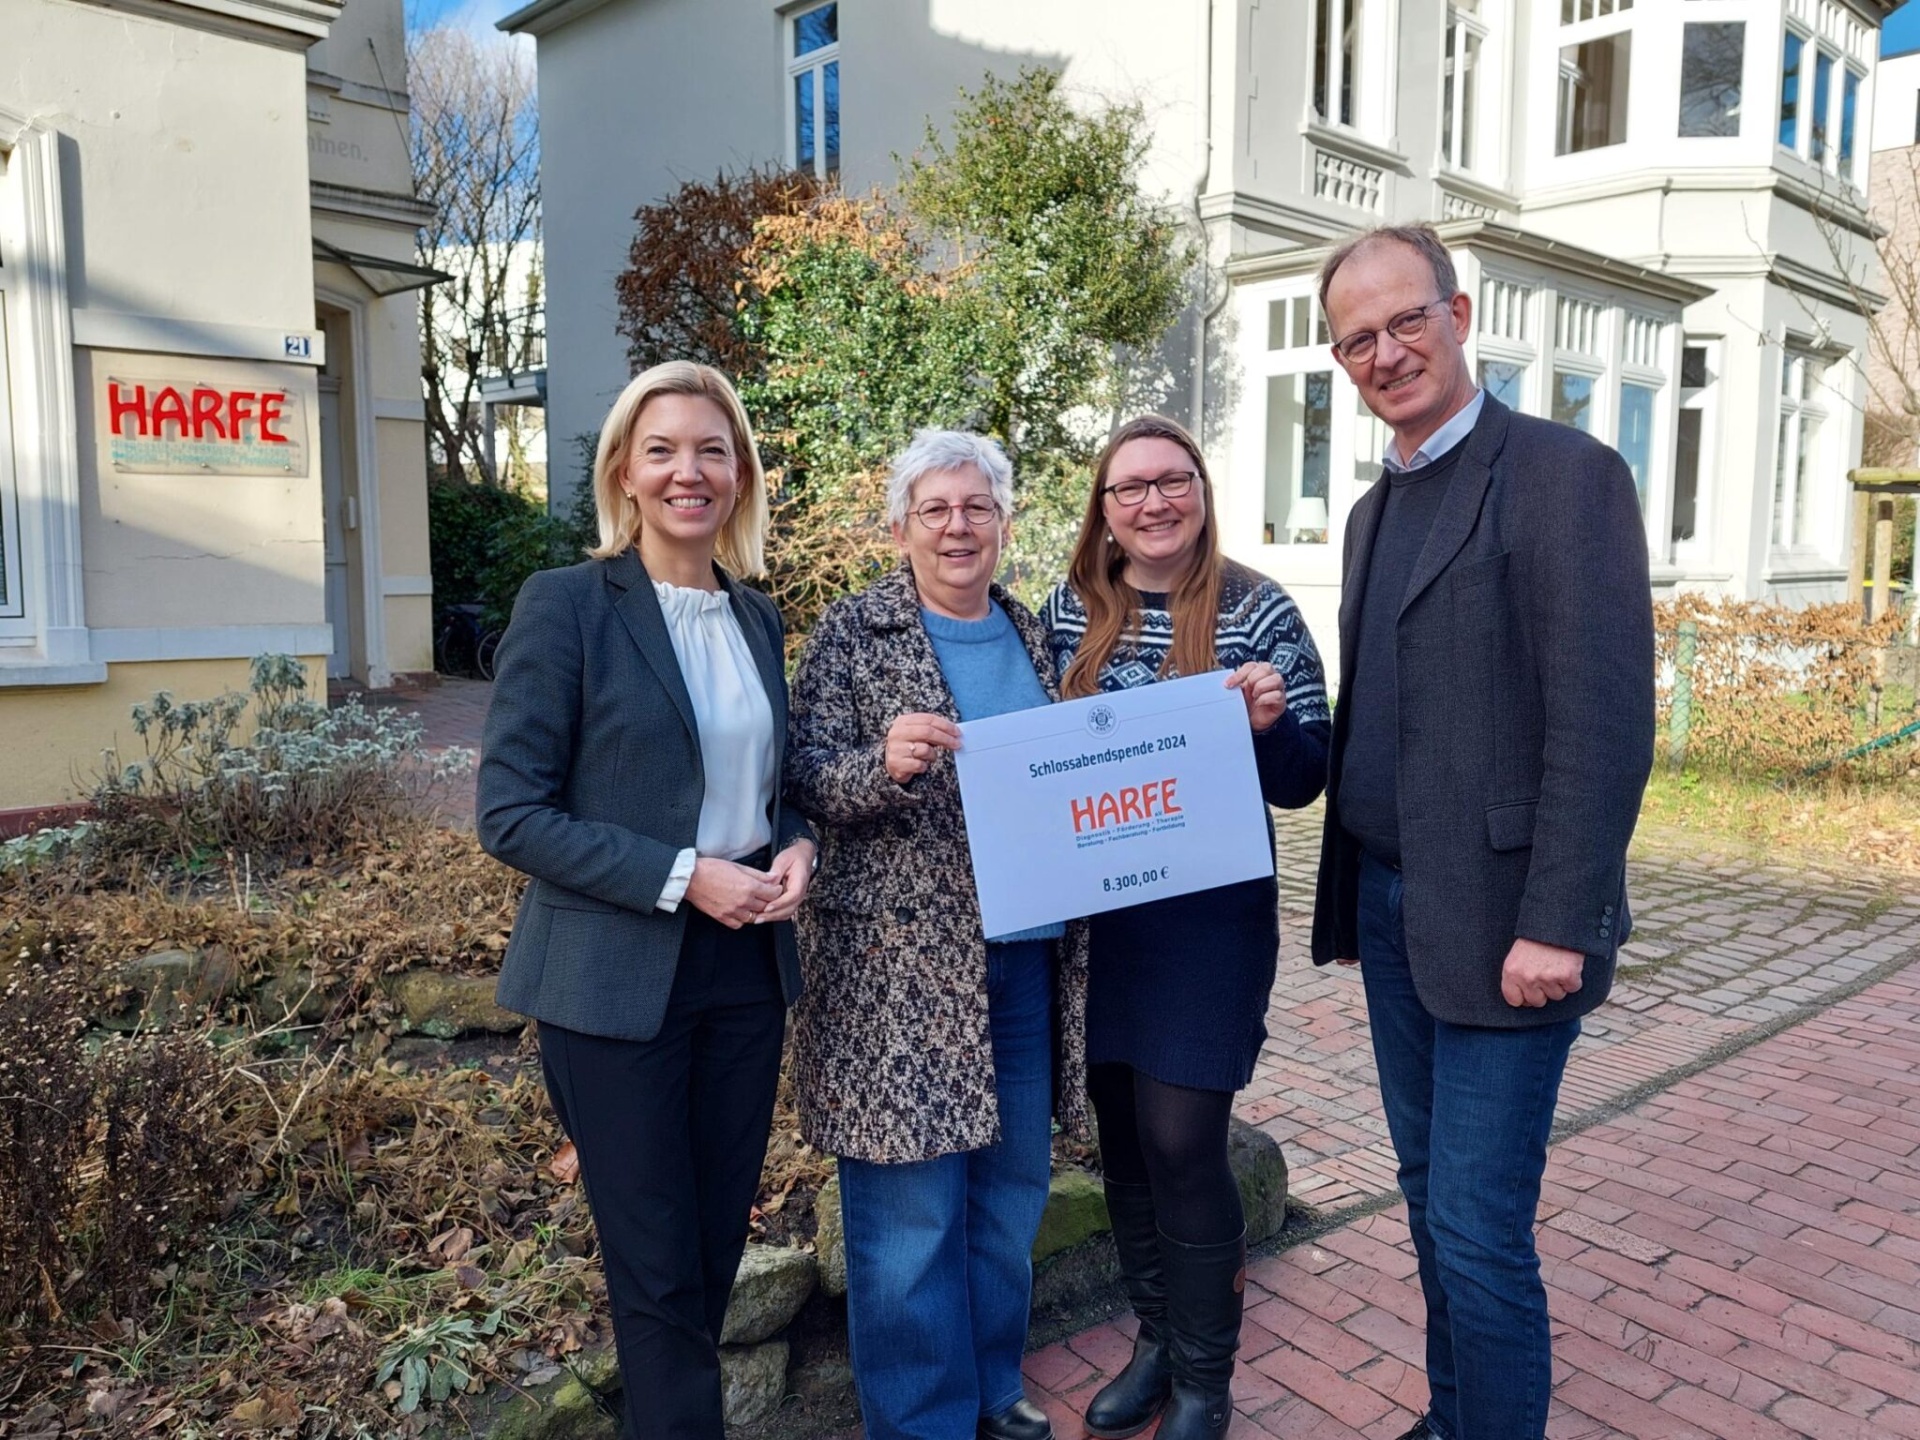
(486, 541)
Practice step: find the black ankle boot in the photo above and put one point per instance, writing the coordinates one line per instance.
(1205, 1287)
(1127, 1403)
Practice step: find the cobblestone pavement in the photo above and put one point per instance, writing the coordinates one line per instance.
(454, 712)
(1731, 1222)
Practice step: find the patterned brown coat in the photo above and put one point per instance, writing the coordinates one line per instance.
(891, 1056)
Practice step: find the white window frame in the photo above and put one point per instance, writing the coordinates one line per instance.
(1523, 349)
(1814, 48)
(1469, 123)
(47, 643)
(1375, 79)
(1596, 364)
(1581, 32)
(1706, 400)
(1794, 500)
(798, 65)
(1656, 503)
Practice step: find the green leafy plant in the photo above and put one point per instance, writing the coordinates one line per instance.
(434, 1361)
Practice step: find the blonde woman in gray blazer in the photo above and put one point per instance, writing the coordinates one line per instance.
(631, 767)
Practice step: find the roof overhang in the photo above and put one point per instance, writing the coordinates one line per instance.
(382, 276)
(283, 24)
(1495, 238)
(546, 15)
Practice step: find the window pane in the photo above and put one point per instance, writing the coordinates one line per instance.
(1808, 451)
(1782, 476)
(1686, 475)
(1693, 366)
(1790, 93)
(1449, 75)
(1593, 93)
(803, 120)
(1469, 99)
(830, 121)
(1322, 56)
(1710, 65)
(1636, 435)
(1573, 400)
(815, 29)
(1849, 111)
(1299, 457)
(1349, 59)
(1505, 380)
(1822, 93)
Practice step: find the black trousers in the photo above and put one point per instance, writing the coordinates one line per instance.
(671, 1134)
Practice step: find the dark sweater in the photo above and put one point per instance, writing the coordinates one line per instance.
(1369, 791)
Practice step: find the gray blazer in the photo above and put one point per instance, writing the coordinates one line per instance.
(1525, 669)
(591, 782)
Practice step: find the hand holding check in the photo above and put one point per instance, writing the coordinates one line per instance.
(912, 742)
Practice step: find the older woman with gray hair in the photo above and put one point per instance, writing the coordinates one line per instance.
(929, 1056)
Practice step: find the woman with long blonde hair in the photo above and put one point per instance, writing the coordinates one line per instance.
(1177, 988)
(632, 768)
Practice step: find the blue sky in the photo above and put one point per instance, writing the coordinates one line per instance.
(1902, 32)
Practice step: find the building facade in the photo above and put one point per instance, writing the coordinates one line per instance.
(1659, 208)
(210, 425)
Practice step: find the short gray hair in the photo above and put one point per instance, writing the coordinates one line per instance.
(1421, 238)
(932, 451)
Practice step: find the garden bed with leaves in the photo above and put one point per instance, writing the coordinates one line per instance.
(247, 1185)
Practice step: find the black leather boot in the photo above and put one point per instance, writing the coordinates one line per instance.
(1127, 1403)
(1205, 1287)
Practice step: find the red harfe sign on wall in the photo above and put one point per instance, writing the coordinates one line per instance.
(185, 427)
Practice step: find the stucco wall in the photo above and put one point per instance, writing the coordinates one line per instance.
(186, 171)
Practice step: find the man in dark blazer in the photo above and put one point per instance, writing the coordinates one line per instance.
(1493, 736)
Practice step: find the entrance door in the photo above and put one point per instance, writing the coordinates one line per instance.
(334, 501)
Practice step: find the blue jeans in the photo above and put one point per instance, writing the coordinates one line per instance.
(939, 1252)
(1469, 1110)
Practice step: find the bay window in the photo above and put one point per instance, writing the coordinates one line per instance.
(1337, 58)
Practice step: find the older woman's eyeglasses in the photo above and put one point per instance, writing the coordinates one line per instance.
(1174, 484)
(1406, 327)
(938, 514)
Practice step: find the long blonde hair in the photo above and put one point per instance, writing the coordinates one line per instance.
(1112, 605)
(742, 544)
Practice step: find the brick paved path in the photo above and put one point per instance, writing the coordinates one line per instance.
(1731, 1222)
(1736, 1257)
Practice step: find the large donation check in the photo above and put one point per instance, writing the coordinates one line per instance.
(1092, 804)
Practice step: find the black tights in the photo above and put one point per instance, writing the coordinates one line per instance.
(1175, 1139)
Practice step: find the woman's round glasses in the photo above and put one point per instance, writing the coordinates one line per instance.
(937, 514)
(1406, 327)
(1134, 492)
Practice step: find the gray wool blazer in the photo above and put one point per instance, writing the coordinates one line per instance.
(591, 782)
(1525, 667)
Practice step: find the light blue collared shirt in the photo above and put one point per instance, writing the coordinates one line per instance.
(1442, 440)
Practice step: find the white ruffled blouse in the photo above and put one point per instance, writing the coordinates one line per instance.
(735, 720)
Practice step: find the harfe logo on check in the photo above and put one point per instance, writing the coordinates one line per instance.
(1129, 803)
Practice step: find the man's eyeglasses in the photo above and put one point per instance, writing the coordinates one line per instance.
(1173, 485)
(937, 514)
(1406, 327)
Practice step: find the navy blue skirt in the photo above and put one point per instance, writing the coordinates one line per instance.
(1178, 988)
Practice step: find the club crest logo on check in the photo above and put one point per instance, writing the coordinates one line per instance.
(1102, 721)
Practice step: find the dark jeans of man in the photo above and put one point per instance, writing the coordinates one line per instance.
(1469, 1110)
(671, 1133)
